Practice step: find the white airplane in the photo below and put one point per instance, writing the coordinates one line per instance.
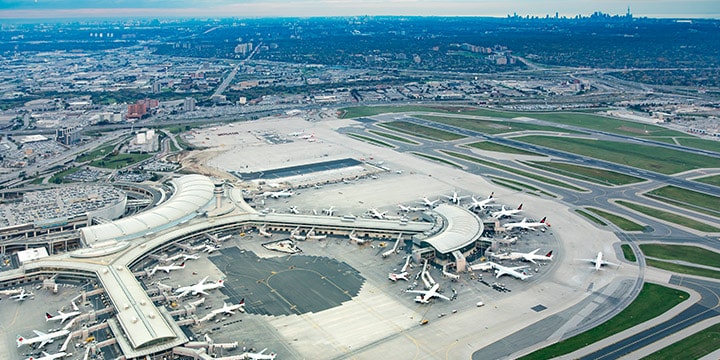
(263, 232)
(425, 296)
(404, 208)
(230, 309)
(373, 212)
(278, 194)
(258, 355)
(167, 269)
(506, 212)
(199, 288)
(356, 239)
(297, 133)
(398, 276)
(47, 356)
(329, 211)
(22, 295)
(189, 257)
(308, 136)
(482, 204)
(311, 235)
(512, 271)
(599, 262)
(431, 204)
(218, 239)
(525, 225)
(61, 316)
(454, 198)
(295, 234)
(208, 248)
(293, 210)
(531, 256)
(41, 338)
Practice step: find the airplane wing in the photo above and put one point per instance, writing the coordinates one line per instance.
(442, 296)
(39, 333)
(423, 292)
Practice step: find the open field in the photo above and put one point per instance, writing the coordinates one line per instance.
(393, 137)
(598, 176)
(512, 170)
(683, 269)
(519, 186)
(619, 221)
(590, 217)
(712, 180)
(652, 301)
(492, 127)
(697, 143)
(358, 111)
(119, 161)
(369, 140)
(421, 131)
(437, 159)
(691, 254)
(98, 152)
(670, 217)
(628, 253)
(694, 346)
(491, 146)
(688, 199)
(662, 160)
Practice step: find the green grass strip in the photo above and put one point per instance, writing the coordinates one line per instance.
(513, 170)
(58, 177)
(596, 175)
(712, 180)
(652, 301)
(421, 131)
(694, 346)
(523, 186)
(369, 140)
(511, 187)
(590, 217)
(359, 111)
(628, 253)
(697, 143)
(683, 269)
(437, 159)
(670, 217)
(492, 127)
(119, 161)
(619, 221)
(492, 146)
(688, 199)
(394, 137)
(687, 253)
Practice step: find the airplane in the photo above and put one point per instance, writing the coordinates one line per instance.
(599, 262)
(482, 204)
(189, 257)
(295, 234)
(425, 296)
(506, 212)
(525, 225)
(47, 356)
(41, 338)
(167, 268)
(373, 212)
(199, 288)
(297, 133)
(329, 211)
(263, 232)
(311, 235)
(398, 276)
(209, 248)
(308, 136)
(278, 194)
(404, 208)
(428, 203)
(22, 295)
(61, 316)
(218, 239)
(512, 271)
(258, 355)
(293, 210)
(356, 239)
(230, 309)
(531, 256)
(454, 198)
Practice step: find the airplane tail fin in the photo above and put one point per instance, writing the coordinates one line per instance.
(491, 195)
(549, 255)
(242, 302)
(182, 264)
(48, 317)
(19, 340)
(520, 207)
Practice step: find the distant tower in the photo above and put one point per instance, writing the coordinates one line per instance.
(219, 192)
(628, 15)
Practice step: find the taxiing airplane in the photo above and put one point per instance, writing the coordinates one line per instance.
(373, 212)
(329, 211)
(599, 262)
(531, 256)
(41, 338)
(482, 204)
(278, 194)
(426, 296)
(525, 225)
(398, 276)
(22, 295)
(512, 271)
(263, 232)
(454, 198)
(404, 208)
(506, 212)
(47, 356)
(199, 288)
(61, 316)
(427, 202)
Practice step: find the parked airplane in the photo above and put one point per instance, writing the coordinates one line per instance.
(61, 316)
(329, 211)
(311, 235)
(167, 269)
(373, 212)
(199, 288)
(356, 239)
(425, 296)
(293, 210)
(482, 204)
(263, 232)
(189, 257)
(208, 248)
(295, 234)
(41, 338)
(506, 212)
(427, 202)
(278, 194)
(398, 276)
(525, 225)
(218, 239)
(259, 355)
(230, 309)
(512, 271)
(454, 198)
(47, 356)
(599, 262)
(404, 208)
(531, 256)
(22, 295)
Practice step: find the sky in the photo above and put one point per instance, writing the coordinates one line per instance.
(28, 9)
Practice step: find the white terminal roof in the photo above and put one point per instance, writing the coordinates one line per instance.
(192, 193)
(462, 229)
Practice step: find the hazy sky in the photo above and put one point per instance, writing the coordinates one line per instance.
(303, 8)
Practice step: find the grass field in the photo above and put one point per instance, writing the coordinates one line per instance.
(358, 111)
(662, 160)
(598, 176)
(421, 131)
(394, 137)
(670, 217)
(691, 254)
(683, 269)
(513, 170)
(119, 161)
(521, 186)
(58, 177)
(619, 221)
(369, 140)
(437, 159)
(652, 301)
(507, 185)
(694, 346)
(688, 199)
(492, 146)
(712, 180)
(97, 153)
(492, 127)
(590, 217)
(628, 253)
(698, 143)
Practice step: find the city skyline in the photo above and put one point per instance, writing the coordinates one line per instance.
(39, 9)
